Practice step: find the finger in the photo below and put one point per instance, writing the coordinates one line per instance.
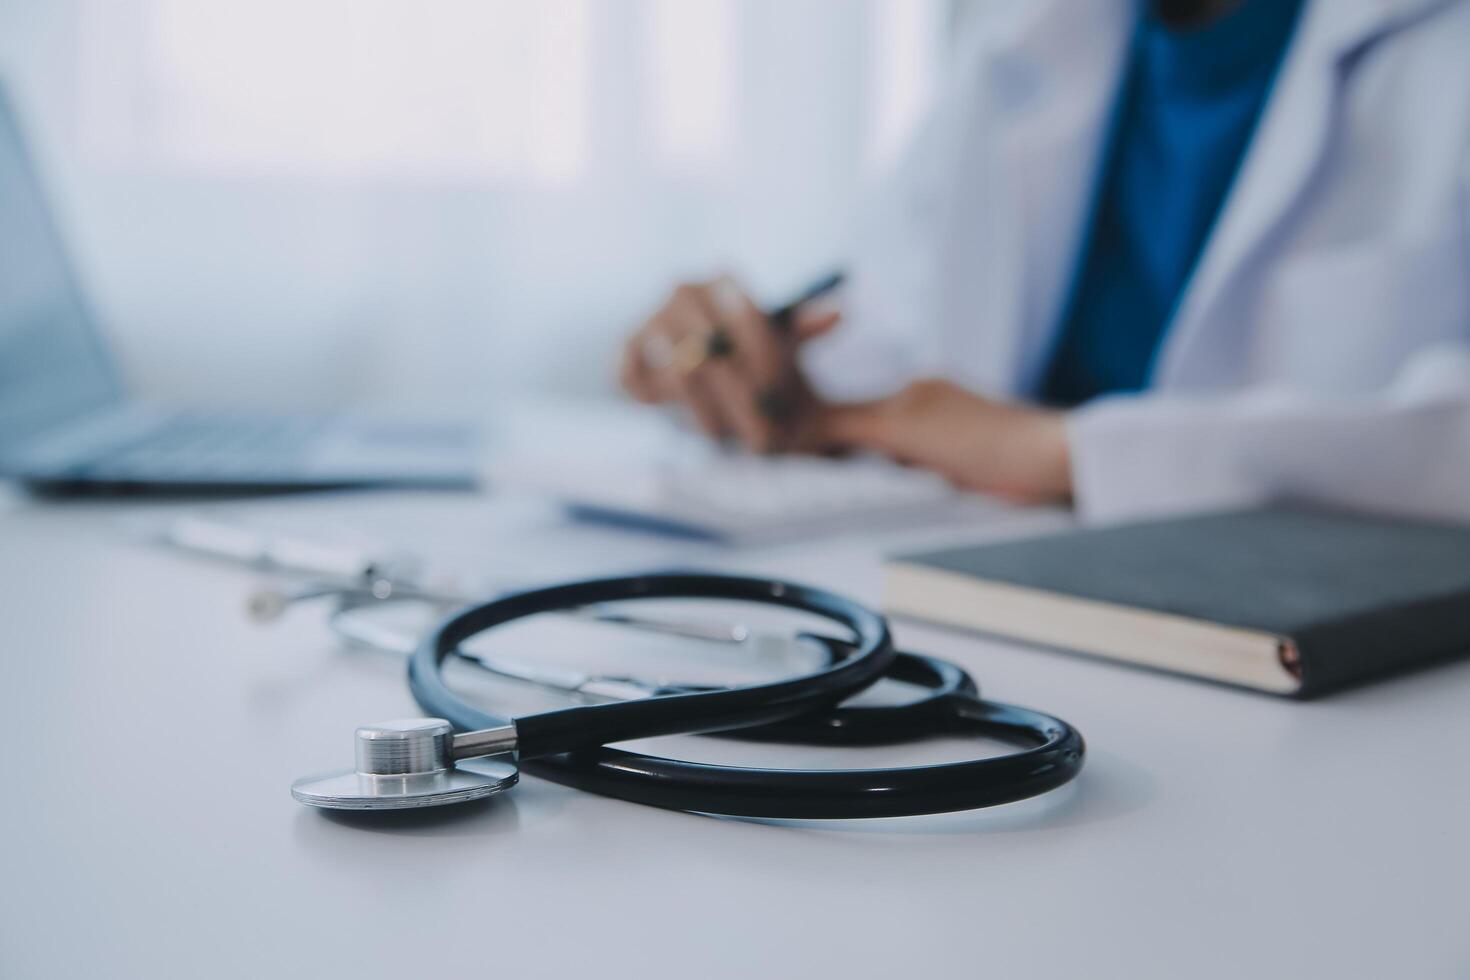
(703, 406)
(735, 400)
(634, 374)
(766, 359)
(754, 362)
(687, 316)
(738, 405)
(682, 318)
(757, 352)
(813, 320)
(655, 355)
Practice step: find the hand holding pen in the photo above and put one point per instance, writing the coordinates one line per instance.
(736, 368)
(733, 365)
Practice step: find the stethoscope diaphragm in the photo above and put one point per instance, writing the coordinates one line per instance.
(403, 765)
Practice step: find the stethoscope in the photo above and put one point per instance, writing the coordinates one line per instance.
(464, 753)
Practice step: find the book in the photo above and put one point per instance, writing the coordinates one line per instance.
(1289, 601)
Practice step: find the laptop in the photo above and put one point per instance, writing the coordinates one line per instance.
(68, 425)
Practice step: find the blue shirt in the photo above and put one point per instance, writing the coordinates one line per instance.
(1186, 113)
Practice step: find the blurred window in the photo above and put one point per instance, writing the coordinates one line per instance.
(378, 200)
(521, 90)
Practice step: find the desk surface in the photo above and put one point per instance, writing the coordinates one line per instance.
(1213, 833)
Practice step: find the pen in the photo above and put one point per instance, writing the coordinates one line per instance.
(783, 318)
(774, 402)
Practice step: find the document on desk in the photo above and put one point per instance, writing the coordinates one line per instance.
(683, 484)
(1293, 602)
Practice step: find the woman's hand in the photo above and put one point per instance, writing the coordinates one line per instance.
(1012, 451)
(710, 348)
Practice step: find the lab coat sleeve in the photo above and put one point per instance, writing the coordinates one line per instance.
(1405, 450)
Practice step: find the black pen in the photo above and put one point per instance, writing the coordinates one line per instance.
(774, 403)
(783, 318)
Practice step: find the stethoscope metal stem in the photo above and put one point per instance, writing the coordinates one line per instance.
(485, 742)
(266, 604)
(269, 603)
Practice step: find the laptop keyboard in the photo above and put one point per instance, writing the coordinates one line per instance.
(208, 446)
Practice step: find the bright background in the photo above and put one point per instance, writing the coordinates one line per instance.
(320, 202)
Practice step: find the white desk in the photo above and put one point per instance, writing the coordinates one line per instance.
(151, 735)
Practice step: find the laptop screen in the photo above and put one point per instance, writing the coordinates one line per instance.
(53, 366)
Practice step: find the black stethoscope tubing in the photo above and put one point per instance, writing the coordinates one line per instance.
(569, 729)
(837, 793)
(1053, 754)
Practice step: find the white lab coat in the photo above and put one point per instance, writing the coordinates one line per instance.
(1321, 351)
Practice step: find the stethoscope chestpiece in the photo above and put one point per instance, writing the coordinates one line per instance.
(405, 764)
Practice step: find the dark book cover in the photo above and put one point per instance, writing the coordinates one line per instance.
(1360, 596)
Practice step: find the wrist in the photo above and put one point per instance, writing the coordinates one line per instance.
(1045, 448)
(1057, 463)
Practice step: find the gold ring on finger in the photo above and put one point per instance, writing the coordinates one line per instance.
(690, 353)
